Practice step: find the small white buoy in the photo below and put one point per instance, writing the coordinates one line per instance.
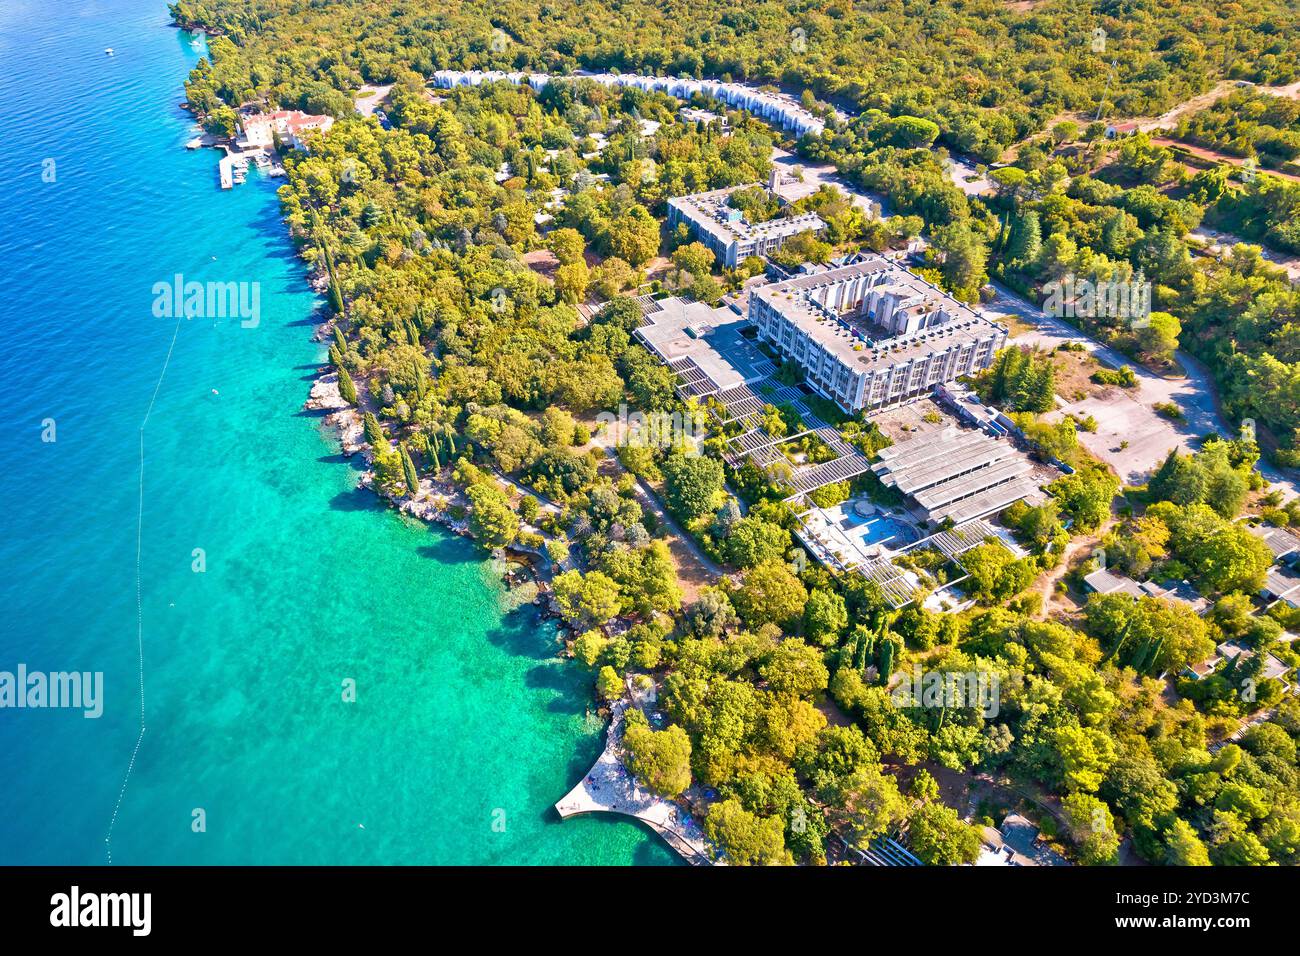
(215, 392)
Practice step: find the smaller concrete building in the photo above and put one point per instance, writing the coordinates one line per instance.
(1282, 583)
(1284, 545)
(1272, 668)
(1104, 581)
(1017, 843)
(723, 228)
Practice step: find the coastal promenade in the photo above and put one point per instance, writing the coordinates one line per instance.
(608, 787)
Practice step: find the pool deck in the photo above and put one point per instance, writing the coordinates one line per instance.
(851, 536)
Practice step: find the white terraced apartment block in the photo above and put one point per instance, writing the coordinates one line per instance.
(777, 108)
(872, 334)
(723, 228)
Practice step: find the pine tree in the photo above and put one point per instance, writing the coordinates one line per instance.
(1026, 240)
(1179, 479)
(1041, 385)
(1013, 383)
(374, 431)
(347, 388)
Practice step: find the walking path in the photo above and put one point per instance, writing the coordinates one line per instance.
(1047, 585)
(609, 788)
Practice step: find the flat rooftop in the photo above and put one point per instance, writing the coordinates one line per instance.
(711, 213)
(853, 342)
(700, 343)
(1282, 543)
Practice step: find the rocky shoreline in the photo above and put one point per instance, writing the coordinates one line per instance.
(437, 502)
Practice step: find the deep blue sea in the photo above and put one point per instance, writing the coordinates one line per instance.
(463, 715)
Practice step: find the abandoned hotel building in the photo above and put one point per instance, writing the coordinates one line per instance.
(872, 334)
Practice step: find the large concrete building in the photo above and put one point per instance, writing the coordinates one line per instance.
(872, 334)
(724, 229)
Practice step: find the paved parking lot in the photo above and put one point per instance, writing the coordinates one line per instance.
(1120, 419)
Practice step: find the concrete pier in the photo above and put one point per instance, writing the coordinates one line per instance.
(610, 788)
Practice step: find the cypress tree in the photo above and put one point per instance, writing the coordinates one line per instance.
(1119, 645)
(336, 297)
(408, 470)
(1139, 662)
(420, 442)
(347, 388)
(1155, 652)
(886, 660)
(335, 358)
(374, 432)
(433, 455)
(340, 340)
(1232, 666)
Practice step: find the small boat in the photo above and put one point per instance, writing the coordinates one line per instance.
(109, 51)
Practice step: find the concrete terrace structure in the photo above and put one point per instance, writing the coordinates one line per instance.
(1017, 843)
(702, 345)
(779, 109)
(706, 350)
(958, 474)
(846, 543)
(872, 334)
(608, 787)
(723, 228)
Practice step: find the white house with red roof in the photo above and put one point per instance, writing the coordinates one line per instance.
(292, 126)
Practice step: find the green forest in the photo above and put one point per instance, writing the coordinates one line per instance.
(456, 246)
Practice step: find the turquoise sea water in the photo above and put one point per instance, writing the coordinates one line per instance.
(463, 717)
